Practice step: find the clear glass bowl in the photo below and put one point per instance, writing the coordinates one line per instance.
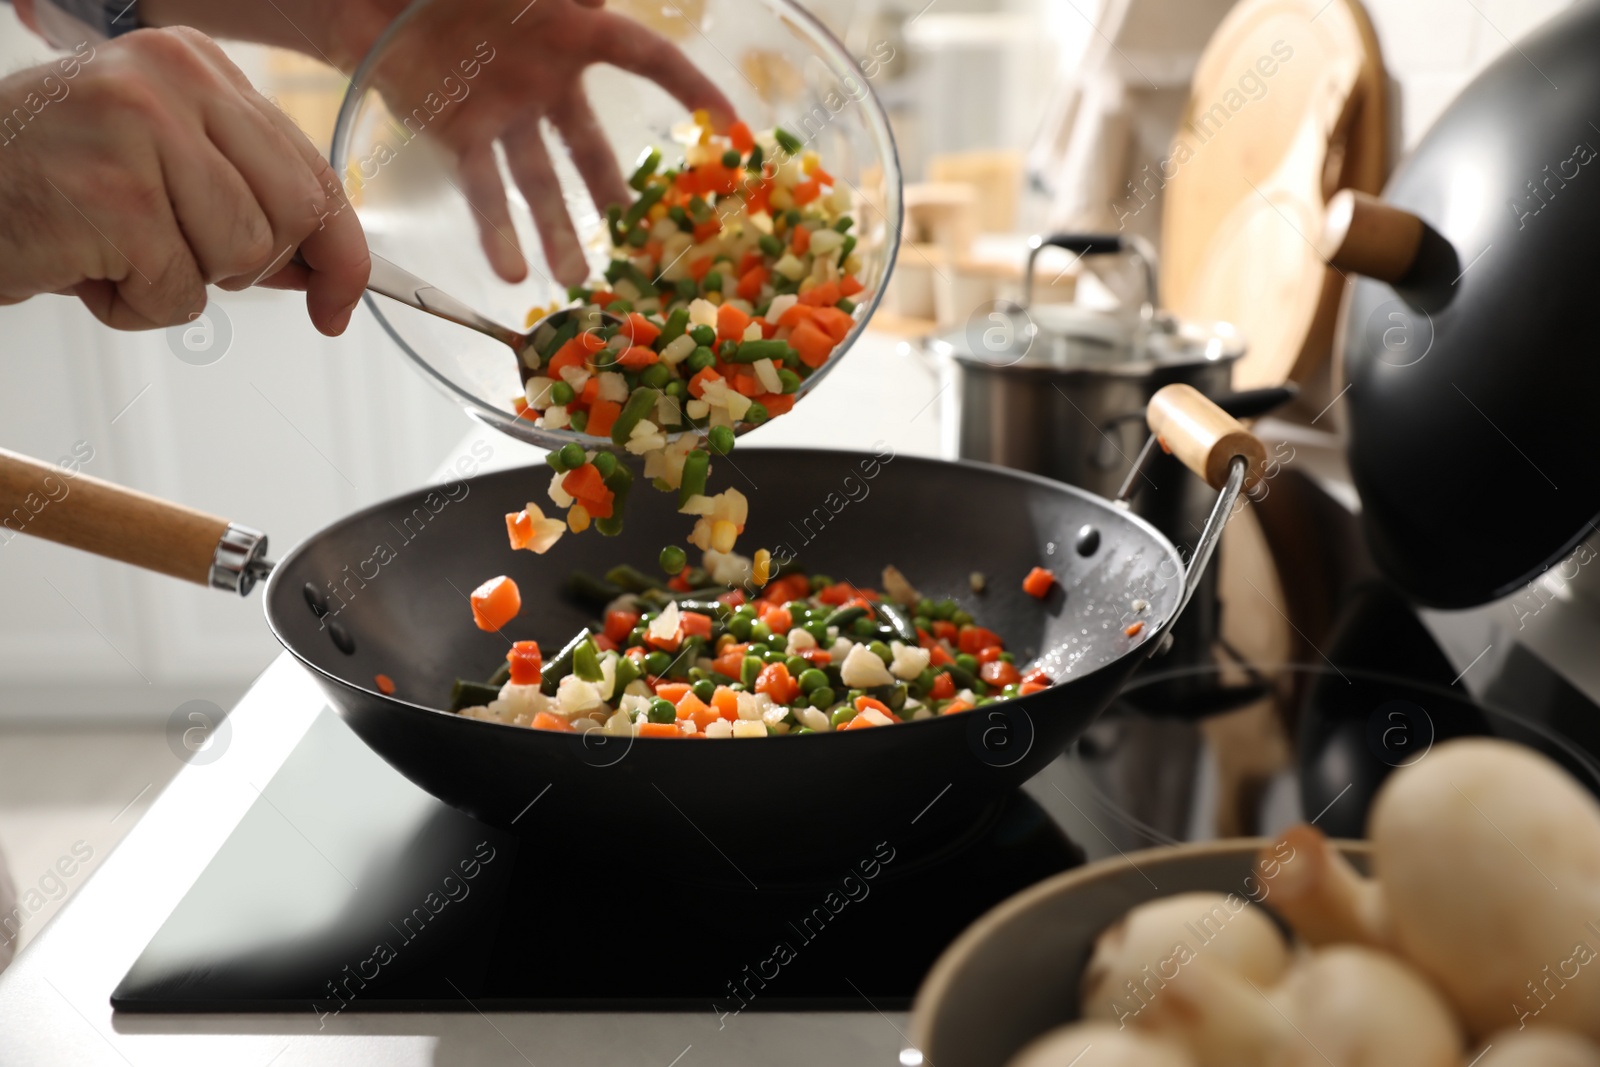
(775, 62)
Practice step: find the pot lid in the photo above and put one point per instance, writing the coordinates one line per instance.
(1068, 338)
(1472, 378)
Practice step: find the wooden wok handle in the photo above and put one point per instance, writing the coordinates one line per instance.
(1363, 235)
(1202, 435)
(43, 500)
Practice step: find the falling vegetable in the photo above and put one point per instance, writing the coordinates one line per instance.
(1038, 583)
(495, 603)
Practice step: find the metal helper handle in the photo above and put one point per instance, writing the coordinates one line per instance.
(1099, 244)
(1212, 444)
(397, 283)
(70, 508)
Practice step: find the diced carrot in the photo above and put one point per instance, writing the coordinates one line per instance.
(726, 701)
(640, 330)
(697, 384)
(528, 413)
(705, 231)
(849, 285)
(822, 296)
(801, 241)
(747, 385)
(1133, 631)
(653, 248)
(571, 354)
(758, 197)
(834, 322)
(860, 722)
(1038, 583)
(822, 177)
(1038, 677)
(604, 643)
(730, 662)
(816, 657)
(805, 192)
(768, 329)
(776, 403)
(659, 729)
(796, 314)
(740, 137)
(679, 583)
(789, 587)
(699, 268)
(716, 178)
(734, 598)
(599, 507)
(584, 481)
(938, 657)
(750, 261)
(546, 721)
(750, 283)
(774, 680)
(519, 404)
(944, 687)
(695, 624)
(519, 529)
(527, 664)
(956, 706)
(687, 181)
(672, 692)
(945, 630)
(590, 391)
(602, 416)
(990, 654)
(384, 683)
(602, 298)
(495, 603)
(637, 357)
(999, 672)
(731, 323)
(974, 639)
(692, 707)
(812, 343)
(778, 619)
(865, 702)
(619, 624)
(1029, 688)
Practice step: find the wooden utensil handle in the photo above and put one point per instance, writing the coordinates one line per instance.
(1363, 235)
(1202, 435)
(43, 500)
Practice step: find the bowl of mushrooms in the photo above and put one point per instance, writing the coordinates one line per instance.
(1465, 930)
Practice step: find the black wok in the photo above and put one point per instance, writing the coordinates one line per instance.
(394, 578)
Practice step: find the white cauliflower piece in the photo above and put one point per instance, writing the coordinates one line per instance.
(908, 661)
(719, 728)
(727, 568)
(749, 728)
(574, 696)
(664, 627)
(815, 719)
(559, 496)
(702, 313)
(800, 641)
(520, 700)
(862, 669)
(619, 724)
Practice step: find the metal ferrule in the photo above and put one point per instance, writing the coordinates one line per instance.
(240, 560)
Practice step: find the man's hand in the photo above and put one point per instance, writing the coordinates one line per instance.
(540, 51)
(157, 170)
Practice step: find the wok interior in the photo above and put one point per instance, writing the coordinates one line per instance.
(398, 575)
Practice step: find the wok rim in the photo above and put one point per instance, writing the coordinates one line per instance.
(1153, 629)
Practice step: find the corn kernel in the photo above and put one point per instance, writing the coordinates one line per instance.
(781, 199)
(724, 641)
(723, 534)
(809, 162)
(658, 212)
(577, 518)
(702, 119)
(713, 298)
(761, 567)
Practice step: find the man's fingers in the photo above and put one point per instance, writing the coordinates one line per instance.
(624, 43)
(479, 173)
(530, 164)
(220, 217)
(591, 151)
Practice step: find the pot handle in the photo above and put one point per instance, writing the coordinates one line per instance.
(73, 509)
(1098, 244)
(1363, 235)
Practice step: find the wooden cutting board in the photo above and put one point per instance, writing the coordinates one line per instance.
(1288, 106)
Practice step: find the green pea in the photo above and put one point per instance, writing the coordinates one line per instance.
(712, 282)
(842, 715)
(821, 698)
(739, 626)
(750, 669)
(572, 455)
(662, 711)
(605, 463)
(797, 665)
(756, 414)
(673, 559)
(656, 663)
(804, 730)
(561, 393)
(700, 359)
(961, 618)
(760, 631)
(746, 610)
(944, 609)
(881, 650)
(812, 679)
(637, 635)
(656, 375)
(638, 236)
(731, 158)
(580, 421)
(790, 380)
(925, 608)
(721, 440)
(705, 690)
(967, 662)
(678, 389)
(770, 245)
(864, 627)
(818, 629)
(704, 336)
(820, 582)
(923, 623)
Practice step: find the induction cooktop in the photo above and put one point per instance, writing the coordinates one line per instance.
(345, 888)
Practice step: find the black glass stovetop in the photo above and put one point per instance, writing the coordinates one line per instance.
(347, 888)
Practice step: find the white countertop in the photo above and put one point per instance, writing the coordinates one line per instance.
(55, 999)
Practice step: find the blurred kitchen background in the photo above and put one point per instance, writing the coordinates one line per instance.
(1013, 116)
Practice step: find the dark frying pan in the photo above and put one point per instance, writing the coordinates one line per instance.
(394, 581)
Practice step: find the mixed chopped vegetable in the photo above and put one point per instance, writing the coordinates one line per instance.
(733, 275)
(691, 658)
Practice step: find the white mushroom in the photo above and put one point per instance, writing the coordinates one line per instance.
(1100, 1045)
(1489, 856)
(1538, 1046)
(1315, 889)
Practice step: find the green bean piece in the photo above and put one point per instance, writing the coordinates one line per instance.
(696, 468)
(501, 676)
(640, 404)
(750, 670)
(864, 628)
(787, 141)
(631, 579)
(757, 157)
(895, 616)
(648, 162)
(844, 224)
(812, 679)
(804, 730)
(656, 663)
(846, 248)
(843, 714)
(561, 666)
(619, 481)
(790, 380)
(647, 200)
(638, 237)
(896, 697)
(586, 662)
(846, 305)
(465, 694)
(673, 559)
(562, 336)
(676, 325)
(661, 710)
(720, 439)
(627, 673)
(842, 617)
(614, 223)
(963, 678)
(750, 351)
